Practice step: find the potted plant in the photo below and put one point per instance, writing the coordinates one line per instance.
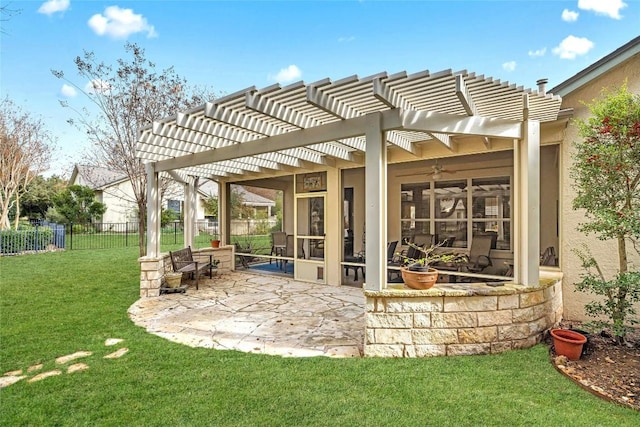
(214, 265)
(215, 243)
(418, 273)
(173, 279)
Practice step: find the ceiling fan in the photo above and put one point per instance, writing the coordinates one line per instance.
(437, 170)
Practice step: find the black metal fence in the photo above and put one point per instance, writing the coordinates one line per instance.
(125, 234)
(45, 236)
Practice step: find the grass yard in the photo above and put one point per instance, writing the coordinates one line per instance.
(55, 304)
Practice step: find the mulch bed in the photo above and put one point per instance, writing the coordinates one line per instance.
(607, 369)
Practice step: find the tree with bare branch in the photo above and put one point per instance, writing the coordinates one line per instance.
(128, 97)
(26, 148)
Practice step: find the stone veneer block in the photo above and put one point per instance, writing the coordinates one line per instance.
(531, 298)
(513, 332)
(370, 305)
(370, 337)
(153, 293)
(425, 350)
(390, 320)
(526, 342)
(414, 305)
(506, 302)
(528, 314)
(384, 350)
(468, 349)
(454, 320)
(474, 303)
(435, 336)
(150, 265)
(501, 346)
(539, 325)
(393, 336)
(478, 335)
(422, 320)
(500, 317)
(152, 275)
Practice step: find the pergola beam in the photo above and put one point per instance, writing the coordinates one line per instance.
(433, 122)
(462, 92)
(421, 121)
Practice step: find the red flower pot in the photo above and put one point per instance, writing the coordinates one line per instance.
(568, 343)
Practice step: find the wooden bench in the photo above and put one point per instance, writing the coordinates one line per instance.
(183, 262)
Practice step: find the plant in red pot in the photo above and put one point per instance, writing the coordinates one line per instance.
(417, 272)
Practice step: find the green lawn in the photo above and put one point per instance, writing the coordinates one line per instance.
(55, 304)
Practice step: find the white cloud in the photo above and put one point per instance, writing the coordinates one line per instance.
(509, 66)
(610, 8)
(120, 23)
(569, 15)
(286, 75)
(52, 6)
(538, 52)
(573, 46)
(99, 86)
(68, 91)
(346, 39)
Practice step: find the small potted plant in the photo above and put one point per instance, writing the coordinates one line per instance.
(418, 273)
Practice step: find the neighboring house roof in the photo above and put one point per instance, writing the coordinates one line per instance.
(210, 189)
(598, 68)
(98, 178)
(253, 199)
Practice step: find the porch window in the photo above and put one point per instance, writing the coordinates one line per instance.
(451, 212)
(415, 217)
(456, 209)
(491, 208)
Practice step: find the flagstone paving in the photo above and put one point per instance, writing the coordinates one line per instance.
(256, 313)
(17, 375)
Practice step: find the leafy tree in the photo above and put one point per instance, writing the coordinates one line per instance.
(211, 206)
(606, 173)
(25, 150)
(239, 209)
(128, 98)
(38, 197)
(77, 204)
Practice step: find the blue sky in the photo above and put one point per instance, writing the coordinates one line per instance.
(231, 45)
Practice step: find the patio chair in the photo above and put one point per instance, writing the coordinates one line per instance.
(243, 258)
(549, 257)
(278, 243)
(479, 254)
(289, 250)
(398, 260)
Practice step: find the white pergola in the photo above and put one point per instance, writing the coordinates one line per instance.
(283, 130)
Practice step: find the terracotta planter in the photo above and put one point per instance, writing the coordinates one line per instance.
(215, 243)
(568, 343)
(419, 279)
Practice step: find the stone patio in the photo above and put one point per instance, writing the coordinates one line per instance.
(257, 313)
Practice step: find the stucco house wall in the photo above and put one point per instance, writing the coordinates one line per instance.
(604, 251)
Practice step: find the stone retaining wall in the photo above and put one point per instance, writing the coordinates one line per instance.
(461, 319)
(152, 269)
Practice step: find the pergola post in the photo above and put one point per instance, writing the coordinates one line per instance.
(190, 210)
(153, 210)
(224, 212)
(527, 186)
(376, 203)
